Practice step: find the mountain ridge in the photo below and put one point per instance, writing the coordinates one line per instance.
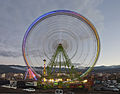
(22, 69)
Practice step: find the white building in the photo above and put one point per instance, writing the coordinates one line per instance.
(3, 75)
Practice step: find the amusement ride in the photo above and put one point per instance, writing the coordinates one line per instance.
(61, 45)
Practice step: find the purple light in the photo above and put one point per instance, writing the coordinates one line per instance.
(31, 26)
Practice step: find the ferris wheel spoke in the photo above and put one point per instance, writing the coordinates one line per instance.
(66, 39)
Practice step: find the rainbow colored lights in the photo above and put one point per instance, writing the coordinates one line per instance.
(31, 71)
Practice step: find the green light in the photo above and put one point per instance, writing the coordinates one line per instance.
(55, 83)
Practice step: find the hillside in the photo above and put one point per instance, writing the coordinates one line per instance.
(22, 69)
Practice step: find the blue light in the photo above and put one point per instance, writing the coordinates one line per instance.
(44, 15)
(31, 26)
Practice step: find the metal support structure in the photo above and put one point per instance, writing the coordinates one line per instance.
(30, 75)
(59, 59)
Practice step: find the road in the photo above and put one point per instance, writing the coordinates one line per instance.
(9, 90)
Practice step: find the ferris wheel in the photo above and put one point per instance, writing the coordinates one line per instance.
(65, 39)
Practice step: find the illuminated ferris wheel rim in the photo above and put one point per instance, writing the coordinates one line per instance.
(61, 12)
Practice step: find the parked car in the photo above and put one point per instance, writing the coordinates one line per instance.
(118, 86)
(111, 86)
(97, 88)
(105, 89)
(29, 89)
(115, 89)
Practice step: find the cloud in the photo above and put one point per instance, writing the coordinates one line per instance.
(17, 15)
(8, 51)
(9, 54)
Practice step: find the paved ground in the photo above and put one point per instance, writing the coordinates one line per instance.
(8, 90)
(103, 92)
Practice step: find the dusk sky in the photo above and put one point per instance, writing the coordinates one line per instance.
(17, 15)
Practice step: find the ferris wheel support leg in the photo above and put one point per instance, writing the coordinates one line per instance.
(26, 73)
(30, 74)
